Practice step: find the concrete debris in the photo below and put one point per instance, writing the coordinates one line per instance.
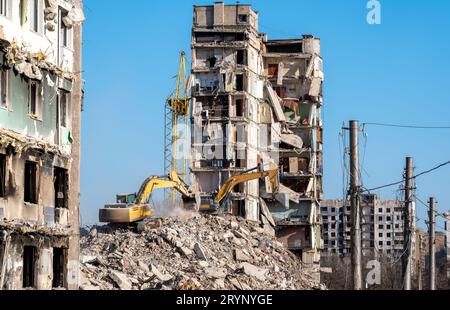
(197, 252)
(121, 280)
(253, 271)
(31, 64)
(292, 140)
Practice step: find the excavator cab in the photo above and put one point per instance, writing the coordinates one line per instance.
(132, 208)
(126, 198)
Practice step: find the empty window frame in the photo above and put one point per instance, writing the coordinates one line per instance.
(2, 175)
(4, 88)
(59, 262)
(5, 7)
(65, 30)
(239, 108)
(239, 82)
(29, 267)
(64, 108)
(34, 98)
(31, 182)
(37, 16)
(61, 184)
(243, 18)
(241, 57)
(212, 61)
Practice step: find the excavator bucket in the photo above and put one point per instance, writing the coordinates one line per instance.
(191, 203)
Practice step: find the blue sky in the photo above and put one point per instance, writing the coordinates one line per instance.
(396, 72)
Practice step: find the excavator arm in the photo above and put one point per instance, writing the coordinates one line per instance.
(228, 186)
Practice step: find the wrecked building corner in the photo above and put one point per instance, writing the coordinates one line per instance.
(257, 102)
(40, 107)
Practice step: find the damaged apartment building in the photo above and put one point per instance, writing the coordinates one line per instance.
(40, 107)
(382, 224)
(256, 102)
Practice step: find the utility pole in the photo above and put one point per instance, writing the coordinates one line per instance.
(432, 238)
(355, 188)
(409, 187)
(419, 264)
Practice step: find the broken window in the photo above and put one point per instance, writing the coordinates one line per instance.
(241, 58)
(65, 30)
(34, 98)
(239, 108)
(4, 88)
(243, 18)
(30, 186)
(3, 8)
(36, 16)
(212, 61)
(2, 175)
(64, 103)
(272, 69)
(279, 47)
(239, 82)
(241, 209)
(29, 267)
(61, 183)
(59, 258)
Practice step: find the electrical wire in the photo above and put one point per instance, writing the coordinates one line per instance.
(442, 215)
(406, 126)
(414, 177)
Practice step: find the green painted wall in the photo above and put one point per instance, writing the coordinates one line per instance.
(17, 118)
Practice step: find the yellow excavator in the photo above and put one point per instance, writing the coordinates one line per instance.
(132, 208)
(225, 190)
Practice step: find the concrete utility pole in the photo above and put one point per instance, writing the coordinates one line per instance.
(419, 264)
(409, 187)
(355, 188)
(432, 240)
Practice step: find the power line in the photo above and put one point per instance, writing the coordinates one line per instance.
(406, 126)
(414, 177)
(442, 215)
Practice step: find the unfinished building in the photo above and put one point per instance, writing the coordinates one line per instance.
(256, 102)
(41, 101)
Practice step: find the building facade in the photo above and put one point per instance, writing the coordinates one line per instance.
(41, 102)
(382, 225)
(256, 102)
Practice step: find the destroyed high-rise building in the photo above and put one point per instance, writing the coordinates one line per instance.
(256, 102)
(40, 107)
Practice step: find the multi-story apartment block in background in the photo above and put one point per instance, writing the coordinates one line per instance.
(382, 225)
(257, 102)
(40, 107)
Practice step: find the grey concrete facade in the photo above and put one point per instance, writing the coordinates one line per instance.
(255, 102)
(382, 226)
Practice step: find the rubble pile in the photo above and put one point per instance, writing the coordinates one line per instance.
(191, 253)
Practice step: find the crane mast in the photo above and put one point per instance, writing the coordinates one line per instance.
(176, 122)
